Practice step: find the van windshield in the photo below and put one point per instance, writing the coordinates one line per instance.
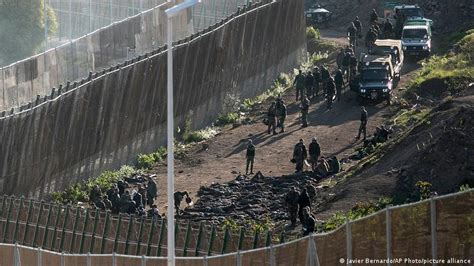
(412, 12)
(375, 74)
(415, 33)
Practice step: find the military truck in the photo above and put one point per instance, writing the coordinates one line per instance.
(375, 80)
(416, 38)
(317, 16)
(406, 13)
(390, 47)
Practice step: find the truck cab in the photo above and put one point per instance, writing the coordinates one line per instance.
(416, 38)
(407, 13)
(394, 49)
(375, 80)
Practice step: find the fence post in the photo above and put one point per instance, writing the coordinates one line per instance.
(268, 241)
(140, 234)
(53, 239)
(105, 232)
(16, 256)
(7, 221)
(114, 262)
(143, 260)
(186, 239)
(74, 228)
(150, 237)
(89, 262)
(70, 20)
(160, 241)
(62, 259)
(117, 232)
(198, 240)
(255, 239)
(348, 242)
(211, 240)
(224, 243)
(96, 219)
(272, 256)
(241, 238)
(434, 246)
(388, 233)
(46, 227)
(110, 10)
(45, 12)
(282, 237)
(17, 219)
(239, 258)
(90, 15)
(312, 258)
(27, 224)
(3, 203)
(63, 233)
(84, 228)
(39, 257)
(127, 238)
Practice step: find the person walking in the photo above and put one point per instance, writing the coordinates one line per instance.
(291, 200)
(299, 155)
(339, 81)
(250, 156)
(314, 153)
(304, 111)
(317, 81)
(331, 90)
(271, 116)
(281, 113)
(299, 84)
(303, 202)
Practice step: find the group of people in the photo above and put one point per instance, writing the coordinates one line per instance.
(276, 116)
(299, 205)
(119, 198)
(312, 157)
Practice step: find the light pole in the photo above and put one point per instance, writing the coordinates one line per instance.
(170, 13)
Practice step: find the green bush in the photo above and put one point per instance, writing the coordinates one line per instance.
(312, 33)
(146, 161)
(227, 119)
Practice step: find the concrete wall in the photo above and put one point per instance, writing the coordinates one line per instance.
(104, 122)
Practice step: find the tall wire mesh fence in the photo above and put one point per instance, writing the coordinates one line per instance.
(104, 121)
(434, 231)
(96, 34)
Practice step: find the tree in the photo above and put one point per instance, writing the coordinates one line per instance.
(22, 28)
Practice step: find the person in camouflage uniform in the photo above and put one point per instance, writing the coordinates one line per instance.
(299, 155)
(299, 83)
(250, 156)
(304, 111)
(271, 116)
(281, 114)
(291, 200)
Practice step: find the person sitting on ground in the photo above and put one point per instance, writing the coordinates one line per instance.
(107, 202)
(309, 222)
(151, 191)
(334, 165)
(154, 213)
(322, 169)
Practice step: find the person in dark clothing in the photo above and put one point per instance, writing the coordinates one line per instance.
(387, 29)
(352, 34)
(107, 202)
(137, 198)
(317, 81)
(331, 90)
(325, 77)
(151, 191)
(363, 123)
(291, 200)
(303, 201)
(142, 191)
(250, 156)
(281, 114)
(352, 67)
(271, 116)
(95, 195)
(340, 57)
(309, 83)
(374, 17)
(304, 111)
(122, 185)
(154, 213)
(370, 38)
(309, 221)
(299, 155)
(314, 153)
(339, 81)
(346, 62)
(178, 197)
(99, 204)
(114, 198)
(299, 84)
(358, 26)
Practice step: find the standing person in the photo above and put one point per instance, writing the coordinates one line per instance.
(299, 84)
(142, 191)
(137, 198)
(363, 123)
(352, 34)
(387, 29)
(281, 113)
(370, 38)
(339, 81)
(314, 153)
(325, 77)
(374, 17)
(309, 221)
(309, 83)
(303, 202)
(250, 156)
(299, 155)
(271, 116)
(358, 26)
(178, 197)
(352, 67)
(304, 111)
(317, 81)
(331, 90)
(151, 191)
(340, 57)
(291, 200)
(346, 62)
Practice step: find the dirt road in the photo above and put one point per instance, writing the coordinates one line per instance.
(224, 156)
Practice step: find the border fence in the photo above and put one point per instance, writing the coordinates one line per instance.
(105, 120)
(434, 231)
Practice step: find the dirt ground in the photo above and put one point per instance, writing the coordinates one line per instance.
(222, 158)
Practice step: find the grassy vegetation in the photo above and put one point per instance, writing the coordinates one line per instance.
(316, 44)
(227, 119)
(456, 69)
(146, 161)
(280, 85)
(79, 192)
(262, 225)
